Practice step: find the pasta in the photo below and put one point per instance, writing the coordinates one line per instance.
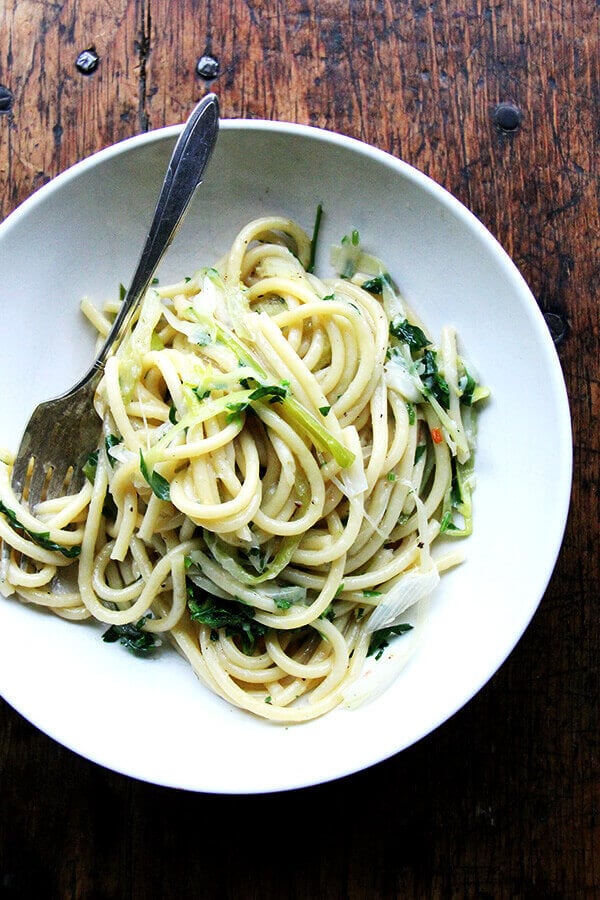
(281, 454)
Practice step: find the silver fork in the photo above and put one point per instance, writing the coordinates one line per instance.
(62, 433)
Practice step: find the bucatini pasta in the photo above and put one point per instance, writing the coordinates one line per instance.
(280, 453)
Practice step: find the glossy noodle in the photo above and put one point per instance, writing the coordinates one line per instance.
(285, 460)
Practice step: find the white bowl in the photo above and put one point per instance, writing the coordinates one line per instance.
(81, 234)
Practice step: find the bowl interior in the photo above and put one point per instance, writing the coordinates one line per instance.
(82, 234)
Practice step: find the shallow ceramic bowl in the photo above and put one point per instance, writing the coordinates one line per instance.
(81, 234)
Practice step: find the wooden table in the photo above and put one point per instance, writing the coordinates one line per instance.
(499, 102)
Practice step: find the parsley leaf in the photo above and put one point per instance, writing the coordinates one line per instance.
(235, 617)
(379, 639)
(160, 486)
(446, 523)
(111, 440)
(41, 538)
(373, 285)
(133, 637)
(435, 384)
(282, 602)
(276, 392)
(90, 466)
(353, 238)
(236, 410)
(409, 334)
(419, 451)
(467, 385)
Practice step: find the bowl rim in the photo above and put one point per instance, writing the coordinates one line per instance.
(510, 270)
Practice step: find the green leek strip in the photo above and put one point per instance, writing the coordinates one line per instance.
(205, 410)
(241, 352)
(225, 558)
(458, 499)
(321, 437)
(310, 425)
(301, 417)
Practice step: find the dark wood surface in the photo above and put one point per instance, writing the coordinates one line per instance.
(504, 799)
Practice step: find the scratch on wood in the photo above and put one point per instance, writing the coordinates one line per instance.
(143, 47)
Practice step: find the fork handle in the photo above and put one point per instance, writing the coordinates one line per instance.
(188, 161)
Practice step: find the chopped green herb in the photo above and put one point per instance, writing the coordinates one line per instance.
(467, 385)
(160, 486)
(329, 614)
(236, 410)
(90, 466)
(447, 524)
(42, 539)
(324, 410)
(379, 639)
(412, 418)
(435, 384)
(276, 392)
(233, 616)
(111, 440)
(200, 394)
(419, 451)
(282, 602)
(412, 335)
(133, 637)
(373, 285)
(353, 238)
(371, 593)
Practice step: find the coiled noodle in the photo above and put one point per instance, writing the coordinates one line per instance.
(281, 451)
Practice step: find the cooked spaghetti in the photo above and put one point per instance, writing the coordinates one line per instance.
(280, 454)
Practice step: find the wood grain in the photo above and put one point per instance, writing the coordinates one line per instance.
(504, 799)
